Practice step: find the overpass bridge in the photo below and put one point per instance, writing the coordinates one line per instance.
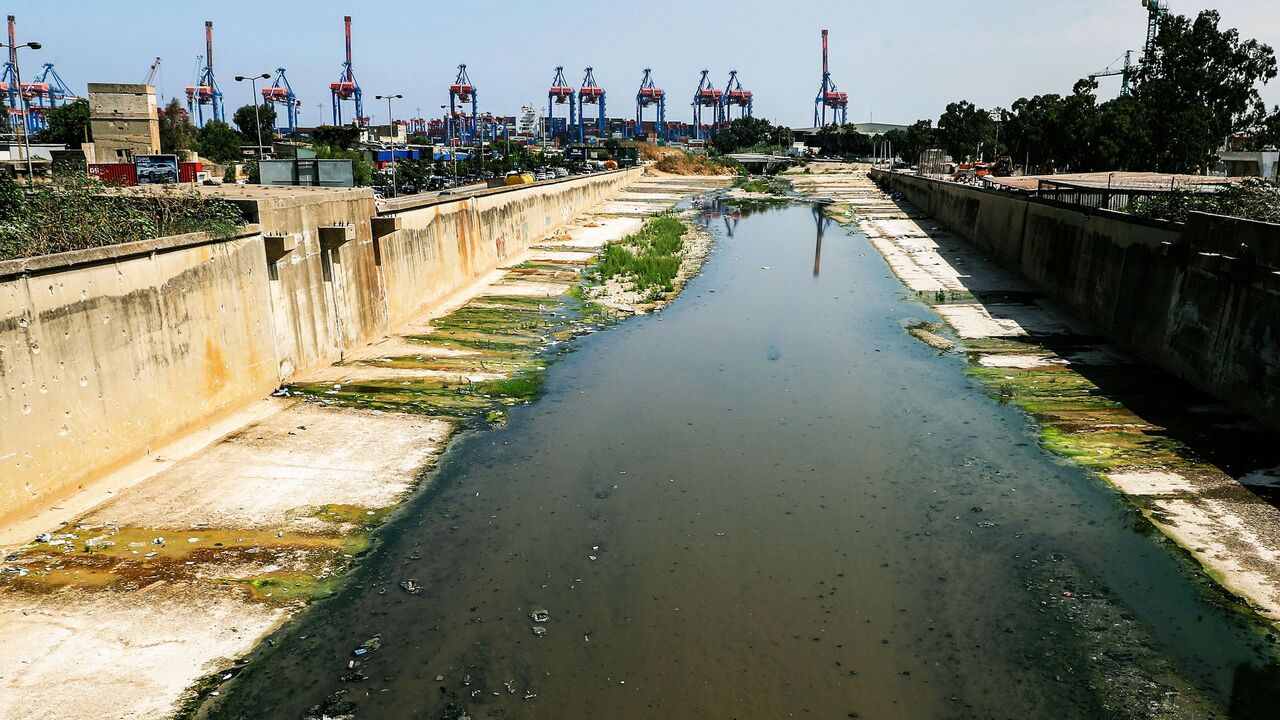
(761, 161)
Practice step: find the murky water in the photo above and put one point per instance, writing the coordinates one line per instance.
(766, 502)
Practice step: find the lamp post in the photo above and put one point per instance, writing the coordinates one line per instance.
(25, 141)
(391, 126)
(448, 141)
(453, 152)
(257, 118)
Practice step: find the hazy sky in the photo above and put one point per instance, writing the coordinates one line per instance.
(899, 61)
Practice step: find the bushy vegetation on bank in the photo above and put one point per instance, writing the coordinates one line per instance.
(1252, 199)
(650, 259)
(75, 212)
(688, 164)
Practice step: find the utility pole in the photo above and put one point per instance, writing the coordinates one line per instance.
(25, 136)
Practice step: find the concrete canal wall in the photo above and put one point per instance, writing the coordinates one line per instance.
(108, 354)
(1200, 300)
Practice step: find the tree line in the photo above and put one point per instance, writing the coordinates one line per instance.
(1195, 92)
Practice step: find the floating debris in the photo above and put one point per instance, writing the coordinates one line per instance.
(540, 616)
(410, 586)
(368, 646)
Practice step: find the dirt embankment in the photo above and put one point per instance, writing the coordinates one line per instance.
(674, 161)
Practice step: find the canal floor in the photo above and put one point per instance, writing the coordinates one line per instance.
(767, 501)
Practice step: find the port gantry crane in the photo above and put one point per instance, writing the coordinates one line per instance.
(346, 87)
(461, 92)
(706, 96)
(46, 92)
(561, 93)
(829, 96)
(650, 94)
(205, 91)
(591, 94)
(280, 92)
(735, 96)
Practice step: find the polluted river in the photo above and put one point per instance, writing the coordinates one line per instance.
(767, 500)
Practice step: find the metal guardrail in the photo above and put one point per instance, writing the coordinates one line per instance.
(1106, 197)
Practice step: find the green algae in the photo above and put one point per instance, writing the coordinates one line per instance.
(944, 297)
(288, 588)
(1081, 421)
(352, 514)
(132, 558)
(512, 337)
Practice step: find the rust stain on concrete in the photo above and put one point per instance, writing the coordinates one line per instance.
(215, 375)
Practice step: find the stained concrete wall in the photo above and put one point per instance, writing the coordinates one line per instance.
(107, 354)
(1200, 300)
(428, 245)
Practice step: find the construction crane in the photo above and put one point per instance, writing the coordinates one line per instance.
(561, 93)
(829, 96)
(1125, 71)
(735, 96)
(345, 87)
(46, 92)
(1155, 9)
(462, 92)
(151, 74)
(280, 92)
(706, 96)
(591, 94)
(205, 91)
(650, 94)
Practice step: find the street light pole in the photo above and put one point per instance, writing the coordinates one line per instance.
(453, 151)
(391, 127)
(24, 141)
(257, 118)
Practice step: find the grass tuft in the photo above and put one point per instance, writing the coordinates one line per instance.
(650, 259)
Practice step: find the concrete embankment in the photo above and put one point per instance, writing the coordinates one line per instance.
(176, 564)
(1200, 300)
(108, 354)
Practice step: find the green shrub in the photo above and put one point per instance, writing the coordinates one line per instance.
(1251, 199)
(650, 259)
(75, 212)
